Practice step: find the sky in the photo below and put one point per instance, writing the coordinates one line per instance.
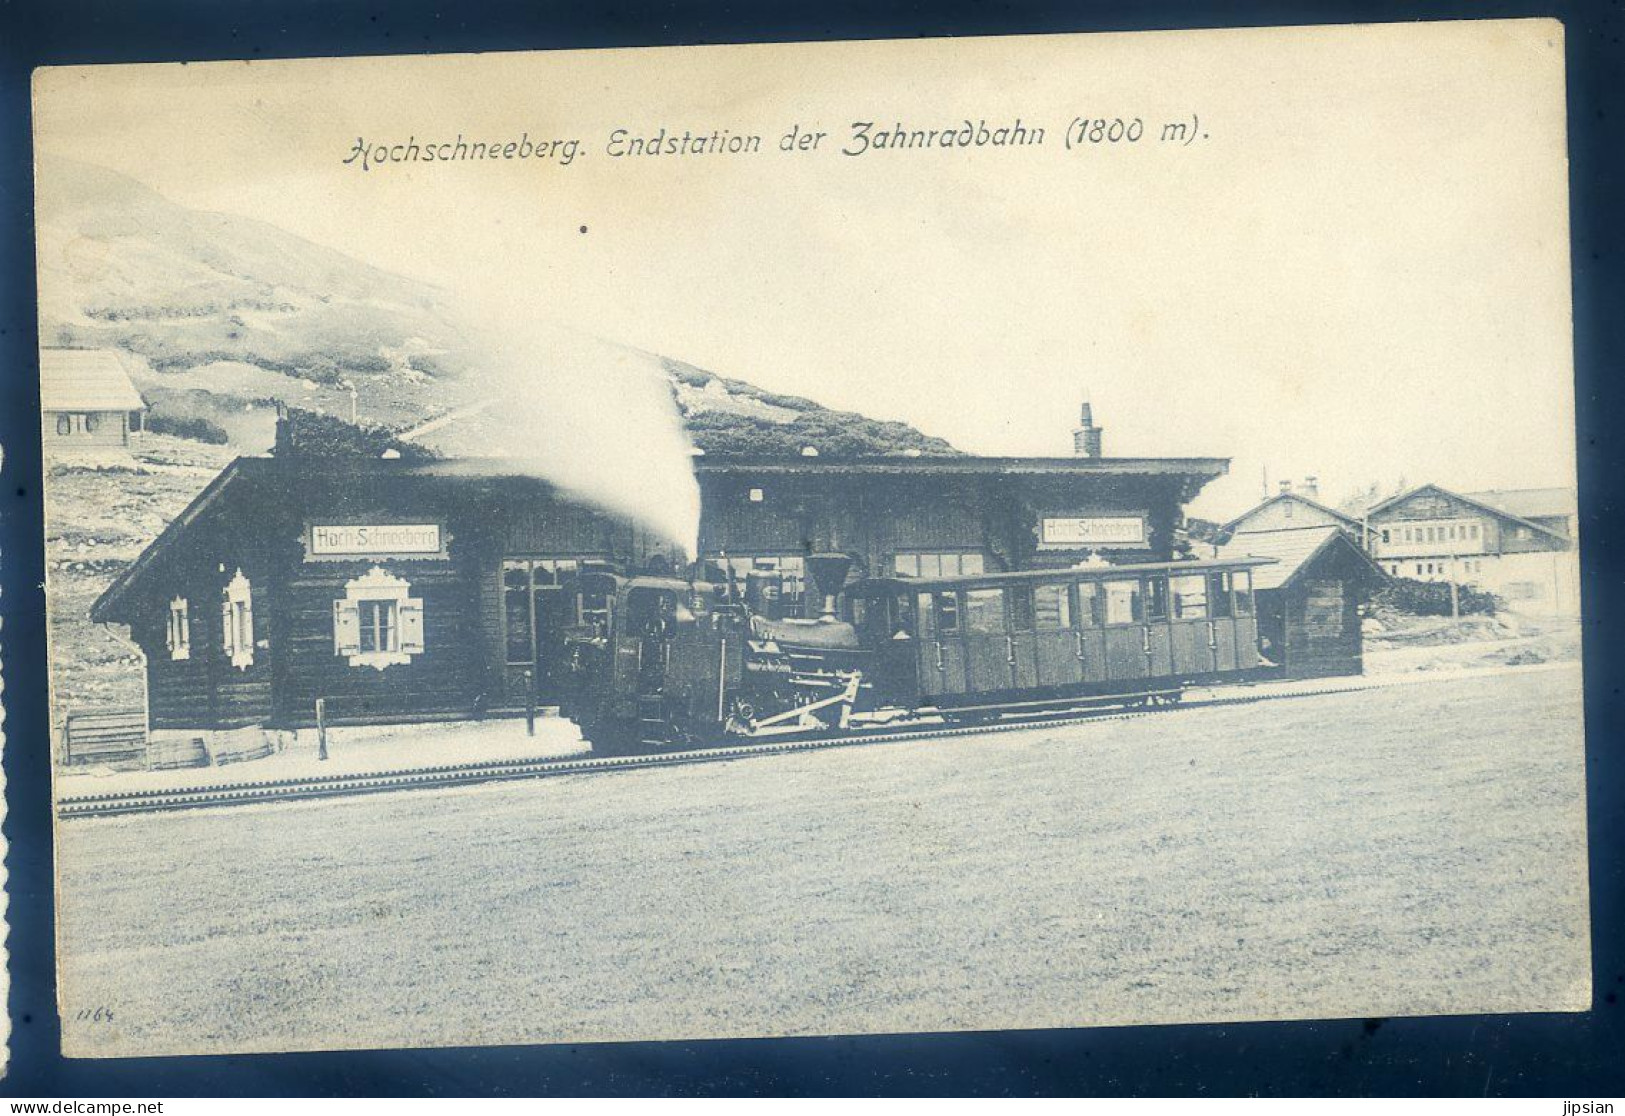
(1358, 269)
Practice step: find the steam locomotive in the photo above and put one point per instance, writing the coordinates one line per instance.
(667, 663)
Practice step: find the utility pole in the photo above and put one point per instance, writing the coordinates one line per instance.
(1455, 593)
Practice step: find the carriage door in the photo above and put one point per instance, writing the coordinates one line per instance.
(1191, 628)
(1246, 619)
(1023, 638)
(941, 644)
(1059, 644)
(1159, 649)
(989, 651)
(1090, 638)
(1128, 640)
(1222, 619)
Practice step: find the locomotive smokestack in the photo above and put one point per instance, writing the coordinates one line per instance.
(828, 572)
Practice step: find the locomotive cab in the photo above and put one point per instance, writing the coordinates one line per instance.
(660, 674)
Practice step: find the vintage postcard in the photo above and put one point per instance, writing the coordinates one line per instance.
(836, 538)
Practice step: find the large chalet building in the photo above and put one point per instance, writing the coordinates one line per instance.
(1519, 544)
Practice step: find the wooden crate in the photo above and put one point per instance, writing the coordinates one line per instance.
(113, 737)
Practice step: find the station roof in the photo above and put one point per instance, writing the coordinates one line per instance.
(1293, 550)
(1529, 503)
(85, 380)
(1475, 501)
(1298, 497)
(1208, 467)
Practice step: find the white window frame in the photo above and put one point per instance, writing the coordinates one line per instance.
(237, 621)
(899, 558)
(178, 637)
(378, 586)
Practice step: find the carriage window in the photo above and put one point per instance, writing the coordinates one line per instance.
(1190, 597)
(1218, 593)
(945, 606)
(1123, 604)
(1021, 609)
(1091, 604)
(1052, 607)
(902, 615)
(984, 611)
(1156, 598)
(1242, 582)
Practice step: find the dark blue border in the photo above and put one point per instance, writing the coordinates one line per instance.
(1572, 1056)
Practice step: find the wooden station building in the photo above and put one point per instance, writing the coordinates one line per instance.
(400, 590)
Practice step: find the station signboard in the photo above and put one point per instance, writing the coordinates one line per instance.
(375, 540)
(1073, 532)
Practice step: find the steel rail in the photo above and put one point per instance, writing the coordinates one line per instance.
(330, 786)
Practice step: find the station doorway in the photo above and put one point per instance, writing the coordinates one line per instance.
(536, 610)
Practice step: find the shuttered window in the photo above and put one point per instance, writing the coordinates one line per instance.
(237, 621)
(179, 636)
(378, 623)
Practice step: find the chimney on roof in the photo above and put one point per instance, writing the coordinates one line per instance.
(1286, 488)
(1311, 487)
(1086, 438)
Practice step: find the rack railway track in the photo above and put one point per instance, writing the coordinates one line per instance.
(333, 786)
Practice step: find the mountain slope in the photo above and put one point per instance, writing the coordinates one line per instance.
(226, 315)
(732, 418)
(120, 265)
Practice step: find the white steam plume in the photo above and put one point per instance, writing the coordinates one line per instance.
(592, 417)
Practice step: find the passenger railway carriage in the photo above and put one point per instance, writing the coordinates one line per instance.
(1027, 637)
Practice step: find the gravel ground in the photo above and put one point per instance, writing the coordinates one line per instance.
(1417, 850)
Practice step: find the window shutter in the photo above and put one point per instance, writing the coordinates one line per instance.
(346, 627)
(411, 620)
(169, 632)
(245, 653)
(228, 633)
